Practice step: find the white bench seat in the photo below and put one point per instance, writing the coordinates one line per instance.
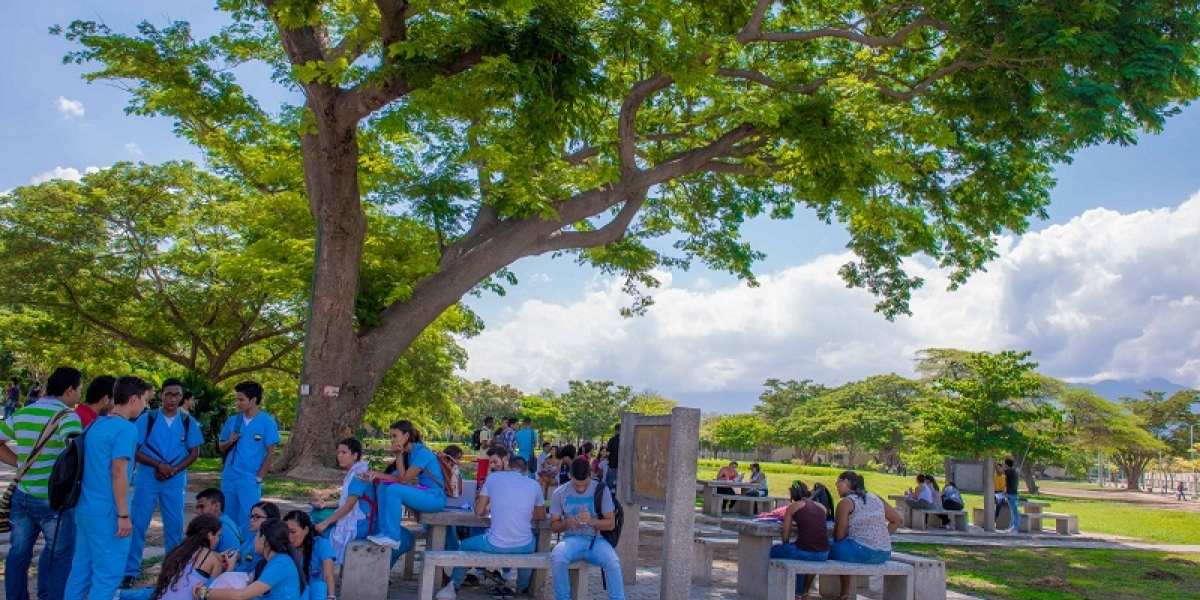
(433, 561)
(929, 575)
(1063, 523)
(898, 579)
(958, 518)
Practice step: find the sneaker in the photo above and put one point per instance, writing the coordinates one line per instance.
(496, 577)
(502, 592)
(470, 581)
(383, 540)
(128, 581)
(447, 593)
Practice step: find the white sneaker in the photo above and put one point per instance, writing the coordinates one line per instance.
(447, 593)
(383, 540)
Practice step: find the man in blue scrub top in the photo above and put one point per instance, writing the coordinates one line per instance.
(102, 524)
(248, 439)
(165, 451)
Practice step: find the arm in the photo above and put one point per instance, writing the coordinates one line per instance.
(787, 519)
(338, 514)
(327, 574)
(120, 486)
(254, 590)
(482, 504)
(146, 459)
(539, 512)
(187, 461)
(893, 517)
(7, 456)
(841, 518)
(608, 523)
(266, 463)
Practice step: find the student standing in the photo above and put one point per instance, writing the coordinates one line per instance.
(168, 443)
(1012, 479)
(30, 513)
(248, 439)
(12, 397)
(102, 519)
(527, 440)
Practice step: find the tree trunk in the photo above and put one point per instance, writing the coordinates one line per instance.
(1027, 474)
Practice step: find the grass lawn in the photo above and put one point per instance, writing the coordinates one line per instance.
(1065, 574)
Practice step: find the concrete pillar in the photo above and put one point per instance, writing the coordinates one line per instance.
(628, 544)
(365, 572)
(679, 528)
(989, 495)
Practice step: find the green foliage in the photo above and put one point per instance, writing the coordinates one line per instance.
(779, 402)
(212, 407)
(875, 415)
(651, 403)
(592, 408)
(481, 399)
(545, 416)
(741, 432)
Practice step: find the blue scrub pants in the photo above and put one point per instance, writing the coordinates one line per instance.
(393, 497)
(99, 557)
(168, 495)
(240, 496)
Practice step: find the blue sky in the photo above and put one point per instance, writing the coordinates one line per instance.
(1106, 288)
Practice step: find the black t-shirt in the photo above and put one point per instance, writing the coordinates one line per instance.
(1010, 481)
(613, 447)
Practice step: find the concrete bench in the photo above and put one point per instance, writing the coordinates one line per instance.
(898, 579)
(433, 561)
(750, 505)
(365, 571)
(1063, 523)
(929, 575)
(957, 517)
(702, 557)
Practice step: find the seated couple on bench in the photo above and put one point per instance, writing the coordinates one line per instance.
(862, 528)
(729, 473)
(926, 496)
(514, 500)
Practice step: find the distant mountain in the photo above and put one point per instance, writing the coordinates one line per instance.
(1115, 390)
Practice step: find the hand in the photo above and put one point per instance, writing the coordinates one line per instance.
(583, 515)
(233, 438)
(124, 527)
(163, 471)
(320, 527)
(198, 591)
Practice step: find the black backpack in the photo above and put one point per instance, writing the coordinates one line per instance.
(475, 441)
(66, 478)
(612, 537)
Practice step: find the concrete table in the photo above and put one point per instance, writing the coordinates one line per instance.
(1004, 521)
(439, 522)
(755, 539)
(902, 508)
(708, 493)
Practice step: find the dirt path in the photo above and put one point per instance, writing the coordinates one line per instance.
(1121, 495)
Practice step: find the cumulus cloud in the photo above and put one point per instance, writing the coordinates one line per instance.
(69, 108)
(69, 173)
(133, 149)
(1106, 295)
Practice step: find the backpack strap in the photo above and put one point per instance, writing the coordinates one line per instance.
(43, 439)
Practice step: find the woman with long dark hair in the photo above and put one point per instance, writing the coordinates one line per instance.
(414, 462)
(349, 521)
(260, 512)
(193, 561)
(862, 526)
(566, 455)
(807, 518)
(315, 555)
(276, 577)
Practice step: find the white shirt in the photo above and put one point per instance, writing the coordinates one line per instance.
(511, 498)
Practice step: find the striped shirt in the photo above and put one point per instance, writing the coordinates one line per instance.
(25, 426)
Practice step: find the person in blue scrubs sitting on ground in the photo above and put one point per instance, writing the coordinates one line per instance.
(414, 461)
(248, 439)
(211, 501)
(315, 555)
(248, 558)
(276, 577)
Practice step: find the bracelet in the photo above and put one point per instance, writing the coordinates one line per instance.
(204, 592)
(122, 516)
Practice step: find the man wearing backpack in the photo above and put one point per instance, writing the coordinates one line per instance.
(102, 516)
(30, 513)
(571, 514)
(168, 443)
(248, 439)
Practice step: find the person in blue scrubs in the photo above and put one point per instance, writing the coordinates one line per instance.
(211, 501)
(314, 553)
(102, 522)
(247, 557)
(527, 441)
(168, 443)
(414, 461)
(248, 439)
(367, 492)
(277, 576)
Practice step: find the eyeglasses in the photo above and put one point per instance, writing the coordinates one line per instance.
(172, 395)
(254, 517)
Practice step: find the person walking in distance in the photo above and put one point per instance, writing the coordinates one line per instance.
(12, 397)
(30, 510)
(614, 452)
(1011, 480)
(248, 440)
(168, 443)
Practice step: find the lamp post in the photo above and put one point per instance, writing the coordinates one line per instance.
(1195, 410)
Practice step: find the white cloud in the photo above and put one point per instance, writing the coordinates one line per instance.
(69, 173)
(133, 149)
(1105, 295)
(69, 108)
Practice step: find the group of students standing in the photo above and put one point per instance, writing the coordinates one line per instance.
(94, 548)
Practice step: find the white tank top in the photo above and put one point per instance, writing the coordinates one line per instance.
(867, 524)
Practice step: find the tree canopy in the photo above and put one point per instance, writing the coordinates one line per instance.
(517, 128)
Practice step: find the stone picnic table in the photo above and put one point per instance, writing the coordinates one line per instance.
(439, 522)
(755, 539)
(710, 505)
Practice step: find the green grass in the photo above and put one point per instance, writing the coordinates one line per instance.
(1065, 574)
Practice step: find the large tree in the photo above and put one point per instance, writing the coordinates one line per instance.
(519, 128)
(1106, 427)
(778, 402)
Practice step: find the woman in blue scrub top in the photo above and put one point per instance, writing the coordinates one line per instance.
(414, 461)
(247, 557)
(277, 576)
(315, 555)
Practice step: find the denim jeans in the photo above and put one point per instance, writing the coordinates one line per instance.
(1016, 514)
(610, 478)
(849, 550)
(480, 543)
(31, 517)
(791, 552)
(580, 547)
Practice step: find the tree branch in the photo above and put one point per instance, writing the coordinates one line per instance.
(302, 45)
(757, 77)
(933, 78)
(267, 364)
(627, 120)
(753, 31)
(392, 27)
(611, 232)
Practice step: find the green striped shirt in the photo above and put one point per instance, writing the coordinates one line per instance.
(25, 426)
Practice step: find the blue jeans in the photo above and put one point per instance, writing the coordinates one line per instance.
(579, 547)
(791, 552)
(1016, 514)
(99, 557)
(480, 543)
(168, 495)
(610, 478)
(31, 517)
(849, 550)
(393, 497)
